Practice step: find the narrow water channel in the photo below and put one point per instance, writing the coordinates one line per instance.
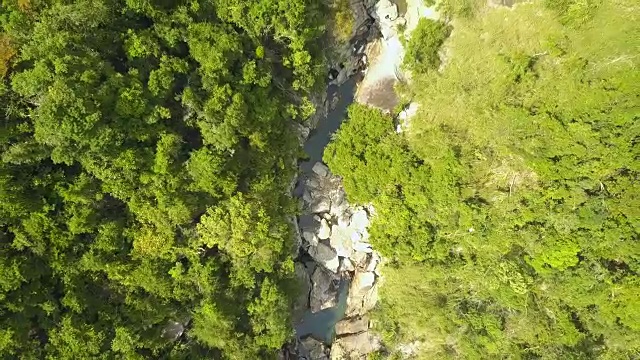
(321, 325)
(320, 137)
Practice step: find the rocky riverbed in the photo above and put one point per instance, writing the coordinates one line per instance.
(338, 267)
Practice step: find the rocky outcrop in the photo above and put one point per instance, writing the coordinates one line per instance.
(354, 347)
(363, 294)
(313, 349)
(336, 237)
(361, 16)
(324, 255)
(324, 292)
(405, 116)
(352, 326)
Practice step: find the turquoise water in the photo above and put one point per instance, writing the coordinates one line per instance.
(321, 325)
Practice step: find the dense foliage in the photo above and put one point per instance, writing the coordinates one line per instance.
(423, 45)
(510, 211)
(145, 154)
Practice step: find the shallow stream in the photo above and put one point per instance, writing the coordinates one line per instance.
(321, 325)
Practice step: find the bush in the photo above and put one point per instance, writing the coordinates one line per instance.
(423, 45)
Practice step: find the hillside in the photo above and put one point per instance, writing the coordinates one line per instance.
(508, 210)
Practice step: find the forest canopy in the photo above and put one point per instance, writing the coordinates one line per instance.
(509, 211)
(146, 152)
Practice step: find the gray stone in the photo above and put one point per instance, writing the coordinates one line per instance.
(359, 258)
(325, 230)
(362, 281)
(365, 235)
(308, 223)
(324, 293)
(338, 197)
(386, 11)
(409, 350)
(360, 220)
(362, 247)
(307, 197)
(344, 218)
(338, 352)
(341, 240)
(320, 169)
(314, 349)
(312, 183)
(360, 15)
(311, 238)
(325, 256)
(370, 299)
(352, 326)
(302, 302)
(363, 294)
(355, 346)
(301, 131)
(373, 262)
(346, 265)
(320, 205)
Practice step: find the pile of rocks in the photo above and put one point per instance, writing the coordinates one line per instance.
(335, 236)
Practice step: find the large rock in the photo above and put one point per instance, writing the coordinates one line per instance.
(339, 196)
(301, 131)
(346, 265)
(302, 301)
(341, 240)
(314, 349)
(344, 220)
(361, 16)
(339, 353)
(409, 350)
(172, 331)
(360, 220)
(310, 238)
(360, 258)
(362, 282)
(325, 230)
(363, 294)
(308, 223)
(386, 11)
(352, 326)
(355, 346)
(406, 115)
(374, 261)
(362, 247)
(320, 205)
(312, 183)
(325, 256)
(320, 169)
(324, 293)
(307, 197)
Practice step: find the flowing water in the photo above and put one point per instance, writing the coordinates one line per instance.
(321, 135)
(321, 325)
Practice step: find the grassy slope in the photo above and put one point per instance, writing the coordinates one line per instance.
(521, 87)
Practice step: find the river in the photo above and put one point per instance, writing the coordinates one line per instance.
(320, 137)
(321, 325)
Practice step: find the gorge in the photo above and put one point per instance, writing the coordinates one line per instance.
(336, 264)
